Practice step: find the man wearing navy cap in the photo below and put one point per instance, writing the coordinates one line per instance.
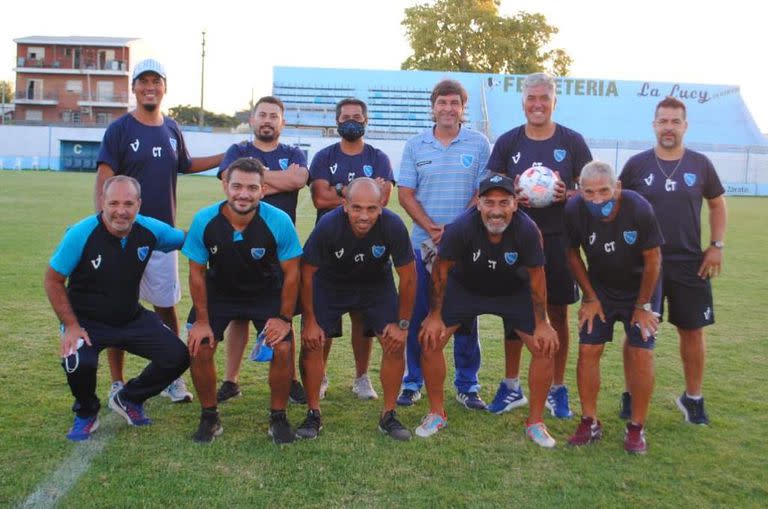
(148, 146)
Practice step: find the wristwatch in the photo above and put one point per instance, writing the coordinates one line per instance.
(339, 189)
(403, 324)
(644, 307)
(284, 319)
(718, 244)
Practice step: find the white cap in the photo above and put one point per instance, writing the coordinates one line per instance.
(148, 65)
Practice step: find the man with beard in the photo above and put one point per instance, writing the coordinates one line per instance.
(148, 146)
(347, 267)
(490, 261)
(333, 168)
(243, 265)
(286, 174)
(676, 181)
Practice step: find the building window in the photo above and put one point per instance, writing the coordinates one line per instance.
(35, 53)
(103, 118)
(105, 91)
(34, 89)
(34, 115)
(75, 86)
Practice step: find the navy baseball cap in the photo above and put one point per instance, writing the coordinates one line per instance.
(148, 65)
(496, 182)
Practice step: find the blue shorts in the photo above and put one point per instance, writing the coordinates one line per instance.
(689, 297)
(258, 310)
(461, 307)
(618, 311)
(378, 306)
(561, 286)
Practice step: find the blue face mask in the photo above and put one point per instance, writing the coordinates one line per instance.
(351, 130)
(602, 209)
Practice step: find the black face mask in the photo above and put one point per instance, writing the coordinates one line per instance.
(351, 130)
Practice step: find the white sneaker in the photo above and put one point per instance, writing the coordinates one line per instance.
(539, 435)
(431, 424)
(323, 386)
(177, 391)
(363, 388)
(115, 388)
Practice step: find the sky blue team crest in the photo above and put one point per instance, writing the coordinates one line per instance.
(283, 163)
(559, 154)
(368, 170)
(467, 160)
(257, 253)
(378, 250)
(173, 143)
(143, 251)
(510, 257)
(630, 236)
(690, 179)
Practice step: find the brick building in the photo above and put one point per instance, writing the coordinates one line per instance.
(77, 80)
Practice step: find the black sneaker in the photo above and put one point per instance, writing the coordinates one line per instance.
(389, 425)
(279, 428)
(297, 393)
(311, 427)
(228, 390)
(693, 410)
(625, 411)
(210, 427)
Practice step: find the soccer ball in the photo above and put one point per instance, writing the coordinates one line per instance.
(538, 184)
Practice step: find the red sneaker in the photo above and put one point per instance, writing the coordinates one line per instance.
(634, 439)
(589, 431)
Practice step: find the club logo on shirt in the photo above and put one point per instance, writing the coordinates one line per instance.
(630, 236)
(173, 143)
(213, 249)
(649, 179)
(339, 253)
(592, 238)
(496, 178)
(690, 179)
(708, 313)
(368, 170)
(135, 145)
(142, 252)
(283, 163)
(559, 154)
(475, 255)
(377, 250)
(257, 253)
(516, 158)
(96, 262)
(510, 257)
(333, 168)
(467, 160)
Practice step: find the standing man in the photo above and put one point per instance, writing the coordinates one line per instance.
(332, 170)
(490, 262)
(287, 174)
(439, 173)
(101, 259)
(347, 267)
(243, 265)
(542, 142)
(676, 180)
(148, 146)
(620, 236)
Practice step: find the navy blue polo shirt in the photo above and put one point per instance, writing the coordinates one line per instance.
(614, 249)
(345, 261)
(245, 263)
(565, 152)
(489, 269)
(278, 159)
(104, 271)
(153, 155)
(336, 167)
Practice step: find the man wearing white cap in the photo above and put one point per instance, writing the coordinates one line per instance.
(148, 146)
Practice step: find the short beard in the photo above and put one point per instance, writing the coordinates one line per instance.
(240, 212)
(149, 107)
(266, 137)
(496, 230)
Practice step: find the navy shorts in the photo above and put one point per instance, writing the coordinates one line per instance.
(619, 311)
(688, 297)
(461, 307)
(220, 313)
(561, 286)
(378, 306)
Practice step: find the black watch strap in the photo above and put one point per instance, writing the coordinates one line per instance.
(285, 318)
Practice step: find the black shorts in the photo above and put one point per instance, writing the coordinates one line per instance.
(378, 306)
(561, 286)
(688, 297)
(257, 311)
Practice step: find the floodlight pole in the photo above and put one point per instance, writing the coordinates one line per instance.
(202, 84)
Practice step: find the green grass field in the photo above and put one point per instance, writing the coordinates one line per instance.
(481, 460)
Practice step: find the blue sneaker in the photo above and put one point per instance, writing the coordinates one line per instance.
(471, 400)
(557, 403)
(131, 412)
(83, 427)
(506, 399)
(408, 397)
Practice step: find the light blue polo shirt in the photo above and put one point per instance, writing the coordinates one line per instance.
(444, 178)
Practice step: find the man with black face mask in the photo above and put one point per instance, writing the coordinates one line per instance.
(332, 169)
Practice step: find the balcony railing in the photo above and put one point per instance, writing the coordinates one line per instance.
(35, 96)
(66, 63)
(119, 100)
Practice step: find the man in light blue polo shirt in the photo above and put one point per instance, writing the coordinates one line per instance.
(439, 174)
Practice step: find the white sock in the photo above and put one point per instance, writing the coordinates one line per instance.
(512, 383)
(694, 398)
(556, 386)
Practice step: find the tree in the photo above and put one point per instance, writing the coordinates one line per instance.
(6, 91)
(471, 36)
(190, 115)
